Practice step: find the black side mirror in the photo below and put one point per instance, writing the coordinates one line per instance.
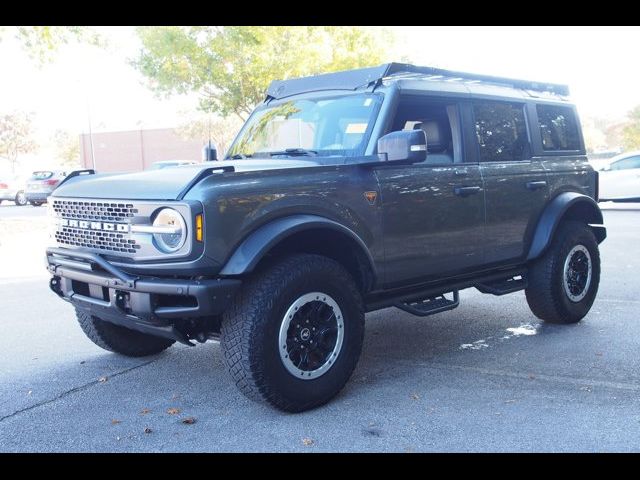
(408, 146)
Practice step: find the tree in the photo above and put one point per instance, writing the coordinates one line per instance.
(222, 130)
(16, 136)
(631, 131)
(231, 67)
(42, 42)
(67, 148)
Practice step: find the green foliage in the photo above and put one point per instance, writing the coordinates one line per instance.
(631, 131)
(16, 136)
(231, 67)
(67, 148)
(42, 42)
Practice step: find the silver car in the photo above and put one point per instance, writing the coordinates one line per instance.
(41, 184)
(12, 189)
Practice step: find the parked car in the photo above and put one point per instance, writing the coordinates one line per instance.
(620, 178)
(41, 184)
(170, 164)
(12, 189)
(345, 193)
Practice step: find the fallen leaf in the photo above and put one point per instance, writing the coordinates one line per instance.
(585, 388)
(115, 422)
(598, 354)
(144, 411)
(29, 392)
(103, 379)
(307, 442)
(531, 377)
(189, 421)
(415, 396)
(173, 411)
(83, 362)
(147, 430)
(509, 401)
(175, 396)
(118, 438)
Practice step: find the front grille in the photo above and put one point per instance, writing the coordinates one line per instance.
(96, 239)
(115, 242)
(105, 211)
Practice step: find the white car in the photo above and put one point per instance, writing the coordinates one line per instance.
(620, 178)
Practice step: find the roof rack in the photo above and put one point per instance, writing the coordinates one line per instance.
(373, 76)
(399, 68)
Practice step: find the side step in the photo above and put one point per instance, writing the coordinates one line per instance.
(503, 286)
(431, 305)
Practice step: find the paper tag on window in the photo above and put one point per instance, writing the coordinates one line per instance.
(367, 102)
(356, 128)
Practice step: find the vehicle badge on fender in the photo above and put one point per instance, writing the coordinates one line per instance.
(371, 197)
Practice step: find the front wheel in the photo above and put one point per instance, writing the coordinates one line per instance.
(294, 333)
(117, 339)
(21, 199)
(563, 283)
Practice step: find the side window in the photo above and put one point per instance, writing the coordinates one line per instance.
(501, 131)
(439, 121)
(558, 128)
(626, 163)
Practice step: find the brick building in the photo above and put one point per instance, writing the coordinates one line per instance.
(135, 150)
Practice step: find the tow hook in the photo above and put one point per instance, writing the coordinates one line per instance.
(122, 301)
(54, 285)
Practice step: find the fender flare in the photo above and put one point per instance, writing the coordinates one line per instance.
(553, 215)
(254, 247)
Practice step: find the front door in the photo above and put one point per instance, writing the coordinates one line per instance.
(432, 212)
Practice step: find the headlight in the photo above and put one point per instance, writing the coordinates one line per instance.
(171, 230)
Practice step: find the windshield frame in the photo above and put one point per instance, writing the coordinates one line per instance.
(378, 99)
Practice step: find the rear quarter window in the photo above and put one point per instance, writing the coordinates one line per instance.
(558, 128)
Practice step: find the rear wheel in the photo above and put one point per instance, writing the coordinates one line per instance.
(117, 339)
(21, 199)
(294, 333)
(36, 204)
(563, 283)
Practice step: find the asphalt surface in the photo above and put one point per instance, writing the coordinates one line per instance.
(484, 377)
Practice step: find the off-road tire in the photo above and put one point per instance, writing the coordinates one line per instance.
(545, 293)
(251, 325)
(117, 339)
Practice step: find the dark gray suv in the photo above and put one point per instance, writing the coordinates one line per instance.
(392, 186)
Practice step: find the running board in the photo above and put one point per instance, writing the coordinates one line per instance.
(503, 286)
(431, 305)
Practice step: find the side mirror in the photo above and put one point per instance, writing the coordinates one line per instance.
(408, 146)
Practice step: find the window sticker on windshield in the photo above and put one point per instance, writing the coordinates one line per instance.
(356, 128)
(367, 102)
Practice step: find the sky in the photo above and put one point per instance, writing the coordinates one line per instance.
(86, 84)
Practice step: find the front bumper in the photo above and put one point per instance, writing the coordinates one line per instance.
(151, 305)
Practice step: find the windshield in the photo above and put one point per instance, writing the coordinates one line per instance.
(324, 126)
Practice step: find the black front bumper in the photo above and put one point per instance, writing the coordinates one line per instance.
(156, 306)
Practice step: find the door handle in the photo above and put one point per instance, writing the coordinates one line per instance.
(466, 191)
(536, 185)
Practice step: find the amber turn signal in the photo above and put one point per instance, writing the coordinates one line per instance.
(199, 227)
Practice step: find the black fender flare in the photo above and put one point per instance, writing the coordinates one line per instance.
(255, 246)
(553, 215)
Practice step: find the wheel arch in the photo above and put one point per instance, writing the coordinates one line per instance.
(304, 234)
(566, 206)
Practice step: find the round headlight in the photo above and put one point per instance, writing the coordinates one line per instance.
(175, 230)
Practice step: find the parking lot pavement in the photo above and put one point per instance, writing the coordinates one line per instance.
(484, 377)
(9, 211)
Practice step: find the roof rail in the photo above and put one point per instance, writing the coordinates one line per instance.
(398, 68)
(372, 76)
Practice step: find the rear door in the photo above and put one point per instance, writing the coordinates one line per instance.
(515, 183)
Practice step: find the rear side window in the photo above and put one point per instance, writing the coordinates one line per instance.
(41, 175)
(501, 131)
(558, 128)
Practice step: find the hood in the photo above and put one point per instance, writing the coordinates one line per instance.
(164, 184)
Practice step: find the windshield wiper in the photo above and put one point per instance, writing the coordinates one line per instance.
(239, 156)
(294, 152)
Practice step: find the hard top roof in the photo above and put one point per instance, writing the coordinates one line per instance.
(371, 77)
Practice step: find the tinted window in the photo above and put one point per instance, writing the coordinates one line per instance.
(501, 132)
(558, 128)
(626, 163)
